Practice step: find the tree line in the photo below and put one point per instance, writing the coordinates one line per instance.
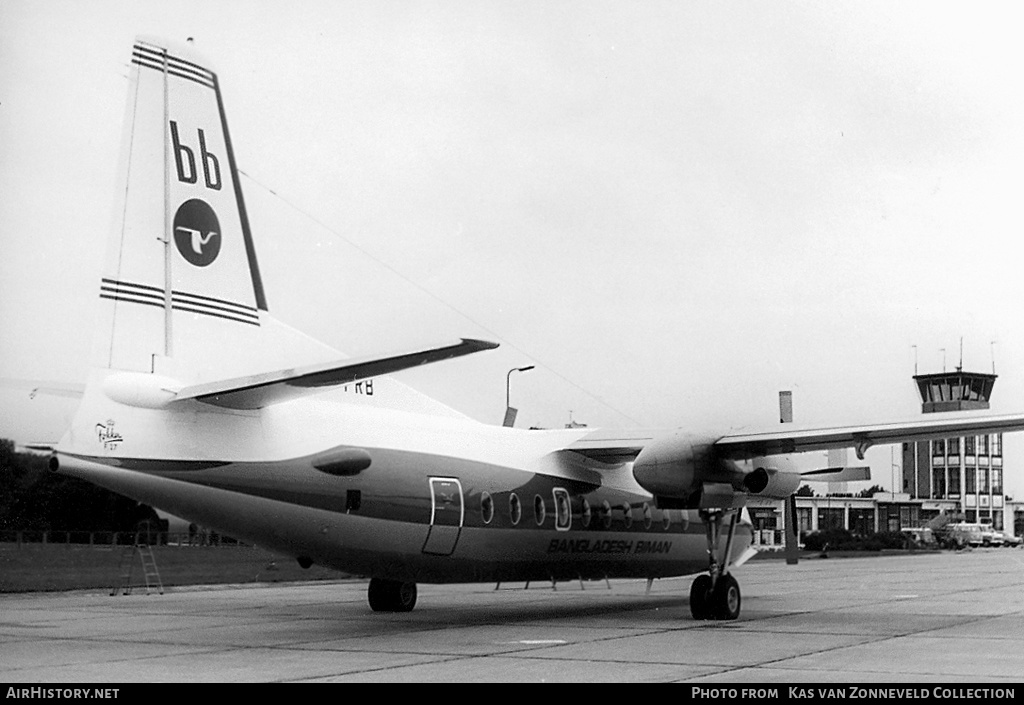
(34, 499)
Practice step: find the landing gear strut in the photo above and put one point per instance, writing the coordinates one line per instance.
(391, 595)
(716, 595)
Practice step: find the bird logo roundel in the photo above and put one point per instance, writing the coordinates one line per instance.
(197, 232)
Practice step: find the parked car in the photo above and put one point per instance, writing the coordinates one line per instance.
(990, 537)
(962, 534)
(920, 536)
(1011, 541)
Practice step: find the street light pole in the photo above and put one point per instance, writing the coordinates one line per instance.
(510, 413)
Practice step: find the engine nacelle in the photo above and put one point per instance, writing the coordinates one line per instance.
(677, 466)
(769, 482)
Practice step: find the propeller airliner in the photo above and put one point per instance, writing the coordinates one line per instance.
(200, 403)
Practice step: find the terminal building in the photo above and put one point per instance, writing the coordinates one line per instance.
(959, 479)
(882, 511)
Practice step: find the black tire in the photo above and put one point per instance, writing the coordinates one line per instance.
(726, 599)
(405, 598)
(700, 597)
(391, 595)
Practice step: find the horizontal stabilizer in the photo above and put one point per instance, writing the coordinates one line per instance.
(260, 390)
(36, 387)
(847, 474)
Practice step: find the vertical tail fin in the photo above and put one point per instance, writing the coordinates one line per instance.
(181, 272)
(181, 299)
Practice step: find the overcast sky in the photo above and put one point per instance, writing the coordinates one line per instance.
(673, 209)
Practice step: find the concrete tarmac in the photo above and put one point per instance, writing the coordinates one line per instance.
(930, 617)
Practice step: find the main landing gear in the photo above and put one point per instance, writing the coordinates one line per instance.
(391, 595)
(716, 595)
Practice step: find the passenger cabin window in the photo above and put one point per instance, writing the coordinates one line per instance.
(486, 507)
(606, 514)
(647, 516)
(627, 514)
(563, 509)
(586, 513)
(538, 509)
(515, 508)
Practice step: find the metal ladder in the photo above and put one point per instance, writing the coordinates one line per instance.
(149, 570)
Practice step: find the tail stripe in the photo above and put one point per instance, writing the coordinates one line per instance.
(239, 308)
(114, 284)
(159, 54)
(136, 293)
(206, 312)
(172, 72)
(181, 301)
(149, 58)
(116, 297)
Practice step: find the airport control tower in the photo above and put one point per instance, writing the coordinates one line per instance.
(959, 476)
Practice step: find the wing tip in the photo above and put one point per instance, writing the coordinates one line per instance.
(479, 345)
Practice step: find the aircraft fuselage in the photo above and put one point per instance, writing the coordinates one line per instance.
(483, 503)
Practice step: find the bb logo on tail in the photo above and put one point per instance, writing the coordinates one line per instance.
(197, 232)
(185, 161)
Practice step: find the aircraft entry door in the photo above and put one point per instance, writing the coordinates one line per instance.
(446, 515)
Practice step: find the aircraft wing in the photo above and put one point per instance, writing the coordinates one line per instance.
(613, 446)
(609, 446)
(257, 391)
(843, 474)
(861, 438)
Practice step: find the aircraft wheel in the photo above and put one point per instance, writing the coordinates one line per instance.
(725, 601)
(700, 597)
(391, 595)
